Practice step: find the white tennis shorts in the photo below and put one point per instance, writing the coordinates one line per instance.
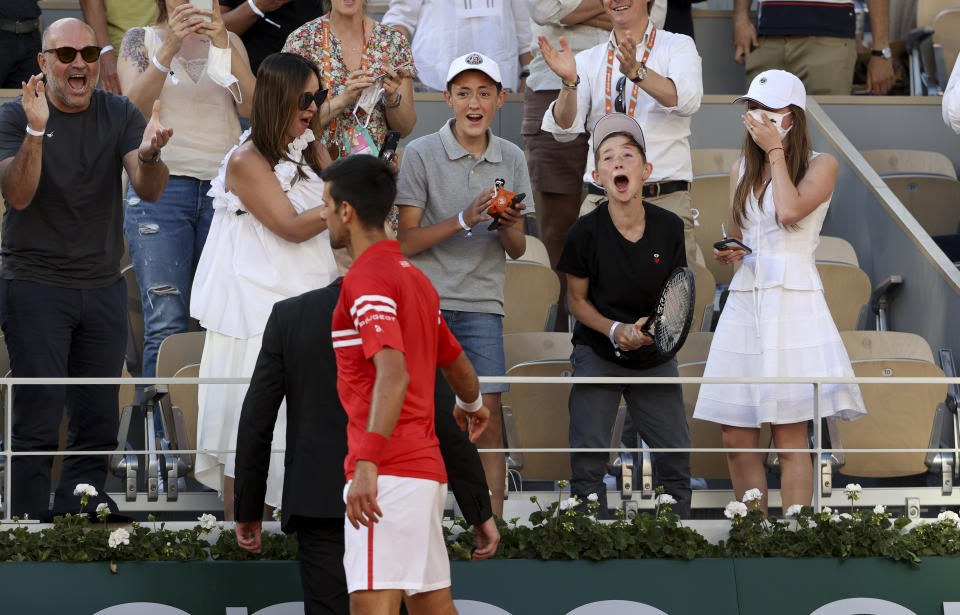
(405, 549)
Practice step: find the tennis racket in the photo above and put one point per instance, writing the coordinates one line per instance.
(673, 313)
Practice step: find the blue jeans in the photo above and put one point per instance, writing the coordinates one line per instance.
(481, 336)
(165, 240)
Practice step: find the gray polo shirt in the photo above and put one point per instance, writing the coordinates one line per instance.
(438, 175)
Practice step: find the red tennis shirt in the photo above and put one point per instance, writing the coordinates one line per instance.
(387, 302)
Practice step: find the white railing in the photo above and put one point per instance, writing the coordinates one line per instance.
(817, 383)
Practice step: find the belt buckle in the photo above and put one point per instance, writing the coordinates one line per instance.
(657, 185)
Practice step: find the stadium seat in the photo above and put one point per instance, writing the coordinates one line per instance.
(178, 350)
(706, 290)
(946, 34)
(711, 197)
(184, 397)
(928, 65)
(934, 201)
(530, 294)
(536, 252)
(847, 290)
(536, 346)
(909, 162)
(873, 345)
(695, 348)
(713, 161)
(836, 250)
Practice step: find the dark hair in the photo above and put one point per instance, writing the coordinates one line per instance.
(367, 183)
(280, 81)
(622, 133)
(162, 16)
(797, 151)
(450, 83)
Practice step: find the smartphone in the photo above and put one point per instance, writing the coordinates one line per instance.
(203, 4)
(729, 243)
(389, 148)
(382, 75)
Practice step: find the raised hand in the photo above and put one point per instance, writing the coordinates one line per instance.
(155, 136)
(764, 134)
(35, 102)
(214, 28)
(627, 56)
(561, 61)
(183, 21)
(476, 212)
(744, 40)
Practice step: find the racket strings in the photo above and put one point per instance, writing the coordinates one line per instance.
(673, 318)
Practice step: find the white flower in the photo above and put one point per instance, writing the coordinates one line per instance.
(277, 514)
(103, 506)
(852, 489)
(826, 510)
(593, 497)
(665, 499)
(735, 509)
(564, 504)
(118, 537)
(752, 495)
(83, 489)
(794, 510)
(949, 517)
(208, 522)
(879, 509)
(846, 516)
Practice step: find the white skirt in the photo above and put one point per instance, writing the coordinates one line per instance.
(776, 332)
(219, 413)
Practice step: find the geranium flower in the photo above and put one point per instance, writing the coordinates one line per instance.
(208, 522)
(118, 537)
(735, 509)
(794, 510)
(83, 489)
(752, 495)
(665, 499)
(948, 517)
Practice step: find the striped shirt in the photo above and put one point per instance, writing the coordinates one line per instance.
(806, 18)
(386, 302)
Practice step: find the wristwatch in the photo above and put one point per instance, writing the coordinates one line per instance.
(884, 53)
(641, 74)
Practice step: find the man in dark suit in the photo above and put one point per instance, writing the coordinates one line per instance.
(297, 361)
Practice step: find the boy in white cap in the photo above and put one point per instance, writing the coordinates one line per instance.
(616, 258)
(447, 181)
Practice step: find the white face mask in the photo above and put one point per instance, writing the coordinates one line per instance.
(761, 115)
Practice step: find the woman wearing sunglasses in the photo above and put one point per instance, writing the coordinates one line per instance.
(188, 61)
(267, 242)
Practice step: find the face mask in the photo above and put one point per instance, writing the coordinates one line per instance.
(762, 115)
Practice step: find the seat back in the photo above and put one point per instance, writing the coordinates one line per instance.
(537, 416)
(909, 162)
(178, 350)
(706, 434)
(713, 161)
(536, 346)
(846, 290)
(184, 396)
(898, 416)
(535, 252)
(711, 197)
(927, 10)
(836, 250)
(695, 348)
(865, 345)
(706, 290)
(528, 294)
(135, 325)
(934, 201)
(946, 33)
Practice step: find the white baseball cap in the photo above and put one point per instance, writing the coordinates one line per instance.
(617, 122)
(776, 89)
(474, 61)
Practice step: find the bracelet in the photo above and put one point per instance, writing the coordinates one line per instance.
(35, 133)
(394, 105)
(154, 160)
(463, 224)
(571, 86)
(471, 407)
(165, 69)
(773, 149)
(613, 329)
(260, 14)
(105, 50)
(371, 447)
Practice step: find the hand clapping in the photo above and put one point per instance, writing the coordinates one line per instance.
(155, 136)
(34, 102)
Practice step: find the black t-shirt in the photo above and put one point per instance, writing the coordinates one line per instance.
(19, 9)
(71, 234)
(624, 276)
(262, 38)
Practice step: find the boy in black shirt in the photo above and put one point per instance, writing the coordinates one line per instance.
(616, 258)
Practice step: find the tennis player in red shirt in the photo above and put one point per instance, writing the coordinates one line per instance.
(389, 338)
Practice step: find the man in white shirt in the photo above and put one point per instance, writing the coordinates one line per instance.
(648, 73)
(441, 30)
(951, 100)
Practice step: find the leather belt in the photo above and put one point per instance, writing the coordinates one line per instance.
(25, 26)
(649, 190)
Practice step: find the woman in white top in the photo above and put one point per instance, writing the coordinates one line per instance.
(267, 242)
(776, 321)
(199, 74)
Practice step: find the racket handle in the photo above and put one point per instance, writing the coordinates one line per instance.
(494, 225)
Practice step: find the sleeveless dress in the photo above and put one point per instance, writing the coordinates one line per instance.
(244, 269)
(776, 323)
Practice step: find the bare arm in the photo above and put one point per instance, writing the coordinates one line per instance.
(627, 335)
(880, 77)
(564, 65)
(586, 10)
(744, 34)
(732, 229)
(139, 78)
(415, 238)
(462, 378)
(20, 175)
(662, 89)
(399, 82)
(95, 17)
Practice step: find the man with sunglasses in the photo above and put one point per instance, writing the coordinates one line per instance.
(63, 147)
(648, 73)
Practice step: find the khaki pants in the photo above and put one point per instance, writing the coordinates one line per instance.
(676, 202)
(824, 63)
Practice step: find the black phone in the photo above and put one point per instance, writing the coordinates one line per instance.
(730, 243)
(389, 148)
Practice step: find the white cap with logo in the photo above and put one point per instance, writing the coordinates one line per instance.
(613, 123)
(474, 61)
(775, 89)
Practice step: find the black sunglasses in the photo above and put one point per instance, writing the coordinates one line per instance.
(618, 103)
(90, 53)
(306, 98)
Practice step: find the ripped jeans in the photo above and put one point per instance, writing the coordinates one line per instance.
(165, 239)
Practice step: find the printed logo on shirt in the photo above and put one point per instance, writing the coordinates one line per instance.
(656, 257)
(404, 263)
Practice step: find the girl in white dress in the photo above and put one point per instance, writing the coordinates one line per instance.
(776, 321)
(267, 242)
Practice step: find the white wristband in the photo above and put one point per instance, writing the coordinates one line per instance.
(463, 224)
(613, 329)
(165, 69)
(36, 133)
(105, 50)
(471, 408)
(260, 14)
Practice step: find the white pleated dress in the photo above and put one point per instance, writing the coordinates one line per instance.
(776, 323)
(243, 270)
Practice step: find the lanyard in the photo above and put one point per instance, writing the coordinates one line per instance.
(635, 93)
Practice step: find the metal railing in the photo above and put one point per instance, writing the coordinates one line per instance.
(818, 449)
